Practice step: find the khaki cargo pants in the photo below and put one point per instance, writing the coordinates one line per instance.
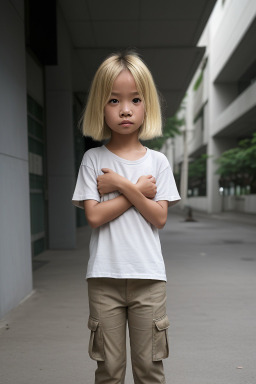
(141, 303)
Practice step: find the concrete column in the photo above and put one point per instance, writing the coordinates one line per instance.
(214, 198)
(15, 247)
(60, 144)
(187, 132)
(169, 151)
(220, 96)
(216, 146)
(184, 172)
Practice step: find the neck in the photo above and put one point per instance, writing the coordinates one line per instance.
(124, 142)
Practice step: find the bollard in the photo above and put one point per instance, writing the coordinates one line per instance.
(189, 217)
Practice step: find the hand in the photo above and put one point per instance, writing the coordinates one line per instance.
(147, 186)
(108, 182)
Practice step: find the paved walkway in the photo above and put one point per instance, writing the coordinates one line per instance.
(211, 268)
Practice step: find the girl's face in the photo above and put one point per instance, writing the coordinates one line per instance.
(124, 112)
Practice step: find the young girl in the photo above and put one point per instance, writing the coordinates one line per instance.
(125, 190)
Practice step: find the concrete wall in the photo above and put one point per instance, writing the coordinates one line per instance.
(228, 25)
(15, 248)
(246, 203)
(233, 20)
(243, 204)
(198, 96)
(199, 203)
(196, 141)
(60, 144)
(245, 102)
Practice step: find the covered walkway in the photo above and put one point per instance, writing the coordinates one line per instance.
(49, 53)
(211, 268)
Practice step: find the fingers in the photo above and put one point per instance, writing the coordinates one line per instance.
(104, 170)
(151, 178)
(107, 170)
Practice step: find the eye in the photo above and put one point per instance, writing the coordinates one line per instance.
(136, 100)
(113, 101)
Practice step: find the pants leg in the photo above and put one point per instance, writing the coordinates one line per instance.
(148, 325)
(108, 319)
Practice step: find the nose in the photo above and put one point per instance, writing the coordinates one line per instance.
(125, 111)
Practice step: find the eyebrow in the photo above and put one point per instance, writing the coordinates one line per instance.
(118, 94)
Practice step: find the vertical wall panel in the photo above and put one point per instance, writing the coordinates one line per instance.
(15, 250)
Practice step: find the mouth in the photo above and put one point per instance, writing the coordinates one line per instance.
(126, 123)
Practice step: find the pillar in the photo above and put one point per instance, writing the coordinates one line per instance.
(60, 144)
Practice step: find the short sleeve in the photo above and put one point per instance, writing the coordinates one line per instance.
(86, 186)
(166, 187)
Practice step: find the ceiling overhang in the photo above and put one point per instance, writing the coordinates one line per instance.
(242, 59)
(238, 119)
(241, 128)
(163, 32)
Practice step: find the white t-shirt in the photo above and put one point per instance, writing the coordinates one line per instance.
(127, 247)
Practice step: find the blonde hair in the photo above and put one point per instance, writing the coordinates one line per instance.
(93, 123)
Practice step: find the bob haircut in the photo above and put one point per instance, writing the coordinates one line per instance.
(93, 122)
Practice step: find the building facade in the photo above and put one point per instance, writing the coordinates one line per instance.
(37, 147)
(220, 108)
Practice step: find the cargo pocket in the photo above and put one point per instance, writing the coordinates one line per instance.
(96, 343)
(160, 338)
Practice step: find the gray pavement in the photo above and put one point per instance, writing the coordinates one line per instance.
(211, 288)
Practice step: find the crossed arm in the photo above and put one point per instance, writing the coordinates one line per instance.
(138, 195)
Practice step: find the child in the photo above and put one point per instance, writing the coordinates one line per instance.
(125, 190)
